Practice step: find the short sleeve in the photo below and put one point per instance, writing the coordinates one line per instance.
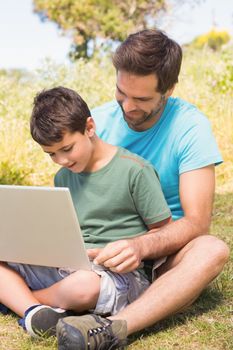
(197, 147)
(148, 196)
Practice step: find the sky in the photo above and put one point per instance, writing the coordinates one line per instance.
(25, 41)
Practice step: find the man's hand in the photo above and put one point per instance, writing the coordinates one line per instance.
(120, 256)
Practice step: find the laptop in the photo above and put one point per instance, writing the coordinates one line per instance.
(39, 226)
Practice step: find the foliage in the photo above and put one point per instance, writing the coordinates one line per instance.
(213, 39)
(204, 77)
(87, 21)
(200, 83)
(206, 325)
(12, 174)
(225, 81)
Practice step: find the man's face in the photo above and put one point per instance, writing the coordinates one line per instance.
(140, 102)
(74, 152)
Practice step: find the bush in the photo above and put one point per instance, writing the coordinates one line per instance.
(206, 80)
(213, 39)
(12, 174)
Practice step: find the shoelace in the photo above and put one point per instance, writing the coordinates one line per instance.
(102, 336)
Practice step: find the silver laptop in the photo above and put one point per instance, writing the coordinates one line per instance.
(39, 226)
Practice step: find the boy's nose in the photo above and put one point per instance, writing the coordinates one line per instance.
(63, 161)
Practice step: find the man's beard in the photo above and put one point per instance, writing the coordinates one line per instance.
(146, 117)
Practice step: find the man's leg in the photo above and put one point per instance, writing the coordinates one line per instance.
(181, 280)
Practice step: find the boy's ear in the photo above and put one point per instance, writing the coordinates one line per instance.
(90, 127)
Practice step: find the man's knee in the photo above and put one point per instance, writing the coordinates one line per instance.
(207, 250)
(215, 247)
(214, 251)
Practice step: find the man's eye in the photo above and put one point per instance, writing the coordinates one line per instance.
(119, 91)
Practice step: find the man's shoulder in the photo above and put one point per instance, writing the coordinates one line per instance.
(185, 110)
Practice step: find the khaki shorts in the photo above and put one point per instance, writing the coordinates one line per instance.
(116, 290)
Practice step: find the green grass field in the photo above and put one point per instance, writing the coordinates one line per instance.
(207, 81)
(207, 325)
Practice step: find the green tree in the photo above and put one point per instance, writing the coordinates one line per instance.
(88, 21)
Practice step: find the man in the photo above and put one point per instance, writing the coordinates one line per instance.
(176, 138)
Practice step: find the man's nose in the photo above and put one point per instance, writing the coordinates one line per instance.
(128, 105)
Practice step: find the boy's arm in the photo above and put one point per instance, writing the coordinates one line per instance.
(196, 193)
(159, 224)
(123, 250)
(151, 206)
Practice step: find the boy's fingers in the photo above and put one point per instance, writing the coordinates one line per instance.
(108, 252)
(92, 253)
(124, 252)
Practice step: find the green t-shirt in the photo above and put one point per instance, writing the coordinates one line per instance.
(116, 202)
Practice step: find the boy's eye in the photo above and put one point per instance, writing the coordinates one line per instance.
(68, 149)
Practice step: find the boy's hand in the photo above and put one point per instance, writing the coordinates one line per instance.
(120, 256)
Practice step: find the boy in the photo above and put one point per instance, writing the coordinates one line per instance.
(116, 194)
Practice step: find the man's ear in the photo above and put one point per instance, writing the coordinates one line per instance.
(169, 92)
(90, 127)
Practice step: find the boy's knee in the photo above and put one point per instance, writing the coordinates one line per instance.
(85, 287)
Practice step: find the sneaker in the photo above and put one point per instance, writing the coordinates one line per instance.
(41, 320)
(91, 332)
(3, 309)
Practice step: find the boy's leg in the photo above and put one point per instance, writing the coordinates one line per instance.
(79, 292)
(14, 292)
(117, 291)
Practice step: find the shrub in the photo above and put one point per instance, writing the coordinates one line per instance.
(213, 39)
(205, 75)
(12, 174)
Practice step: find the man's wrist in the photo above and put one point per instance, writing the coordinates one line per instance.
(145, 244)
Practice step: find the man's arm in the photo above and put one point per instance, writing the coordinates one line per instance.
(196, 194)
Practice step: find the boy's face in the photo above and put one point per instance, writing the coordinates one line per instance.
(74, 152)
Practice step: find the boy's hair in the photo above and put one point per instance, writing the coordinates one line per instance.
(150, 51)
(55, 112)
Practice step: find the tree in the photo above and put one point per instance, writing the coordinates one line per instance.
(88, 21)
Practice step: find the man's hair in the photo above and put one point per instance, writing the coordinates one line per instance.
(55, 112)
(150, 51)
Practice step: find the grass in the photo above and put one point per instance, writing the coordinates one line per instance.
(206, 325)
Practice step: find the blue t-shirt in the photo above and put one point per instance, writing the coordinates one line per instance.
(180, 141)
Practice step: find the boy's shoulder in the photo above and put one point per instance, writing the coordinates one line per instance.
(133, 160)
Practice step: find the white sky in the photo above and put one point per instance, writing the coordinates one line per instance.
(25, 41)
